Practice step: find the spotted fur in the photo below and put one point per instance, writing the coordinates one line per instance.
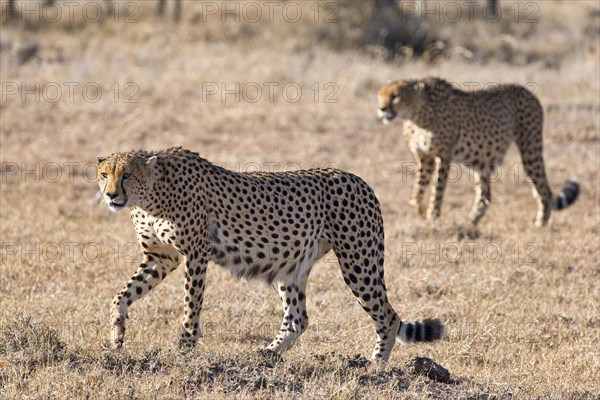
(270, 227)
(443, 124)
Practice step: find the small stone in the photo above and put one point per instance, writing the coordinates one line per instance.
(431, 369)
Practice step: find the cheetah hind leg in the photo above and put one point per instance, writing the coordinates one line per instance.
(367, 285)
(533, 163)
(363, 274)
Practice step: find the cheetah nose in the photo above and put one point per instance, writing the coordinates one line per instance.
(112, 195)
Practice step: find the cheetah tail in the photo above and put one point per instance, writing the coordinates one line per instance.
(425, 331)
(567, 196)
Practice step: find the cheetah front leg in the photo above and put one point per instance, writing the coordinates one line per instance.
(295, 318)
(442, 167)
(153, 269)
(195, 275)
(425, 170)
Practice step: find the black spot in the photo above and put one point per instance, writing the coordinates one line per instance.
(352, 278)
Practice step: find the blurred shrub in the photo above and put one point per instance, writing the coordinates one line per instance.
(517, 32)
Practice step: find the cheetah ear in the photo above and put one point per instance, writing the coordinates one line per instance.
(151, 162)
(397, 92)
(149, 166)
(100, 159)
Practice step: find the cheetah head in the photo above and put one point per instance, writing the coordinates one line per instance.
(124, 179)
(398, 99)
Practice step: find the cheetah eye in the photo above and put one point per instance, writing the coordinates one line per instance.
(126, 176)
(103, 175)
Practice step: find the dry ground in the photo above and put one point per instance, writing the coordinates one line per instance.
(521, 305)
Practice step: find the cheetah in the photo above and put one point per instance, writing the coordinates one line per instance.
(443, 124)
(269, 227)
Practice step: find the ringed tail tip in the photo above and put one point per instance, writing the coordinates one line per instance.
(568, 194)
(428, 330)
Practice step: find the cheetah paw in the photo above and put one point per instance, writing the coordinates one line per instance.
(118, 337)
(186, 344)
(270, 356)
(470, 233)
(419, 209)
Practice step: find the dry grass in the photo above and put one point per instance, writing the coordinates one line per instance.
(521, 304)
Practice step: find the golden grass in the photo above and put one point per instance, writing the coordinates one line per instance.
(521, 304)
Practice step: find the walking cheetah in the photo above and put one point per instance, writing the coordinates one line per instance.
(271, 227)
(444, 124)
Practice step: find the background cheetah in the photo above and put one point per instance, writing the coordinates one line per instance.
(269, 226)
(444, 124)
